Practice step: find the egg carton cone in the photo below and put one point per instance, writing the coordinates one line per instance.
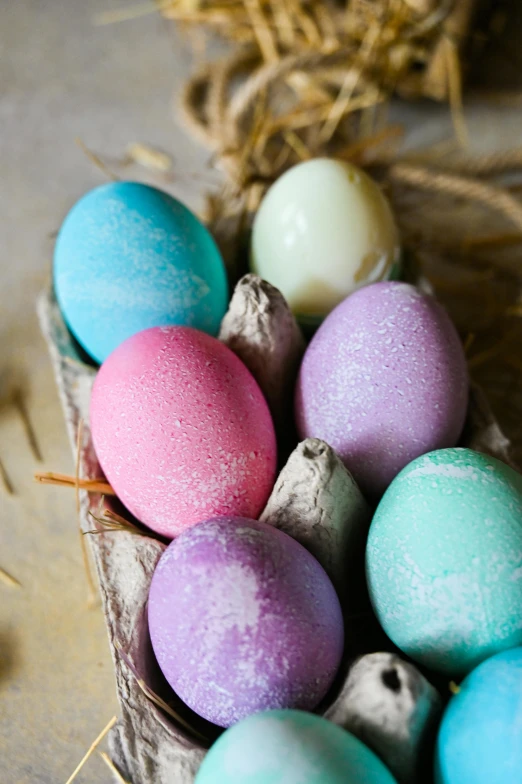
(383, 700)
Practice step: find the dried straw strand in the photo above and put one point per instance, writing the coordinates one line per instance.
(20, 404)
(262, 30)
(65, 480)
(96, 160)
(9, 580)
(91, 594)
(504, 240)
(455, 91)
(502, 345)
(130, 12)
(109, 522)
(5, 480)
(152, 696)
(350, 82)
(92, 748)
(149, 157)
(112, 767)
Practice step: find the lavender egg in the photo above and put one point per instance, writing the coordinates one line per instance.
(243, 619)
(383, 381)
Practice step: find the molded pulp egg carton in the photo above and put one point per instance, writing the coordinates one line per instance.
(315, 492)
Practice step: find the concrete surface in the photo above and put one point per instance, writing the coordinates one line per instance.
(62, 77)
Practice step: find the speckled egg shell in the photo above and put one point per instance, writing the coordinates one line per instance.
(444, 559)
(383, 381)
(182, 430)
(129, 257)
(242, 618)
(290, 747)
(480, 738)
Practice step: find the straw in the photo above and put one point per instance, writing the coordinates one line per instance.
(96, 160)
(112, 767)
(19, 403)
(9, 580)
(5, 480)
(65, 480)
(91, 749)
(152, 696)
(109, 522)
(91, 595)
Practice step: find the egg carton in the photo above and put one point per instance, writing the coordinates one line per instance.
(382, 699)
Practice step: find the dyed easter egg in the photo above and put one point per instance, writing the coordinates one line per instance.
(290, 747)
(480, 738)
(323, 230)
(383, 381)
(444, 559)
(242, 618)
(129, 257)
(182, 430)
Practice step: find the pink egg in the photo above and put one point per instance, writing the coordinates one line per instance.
(182, 430)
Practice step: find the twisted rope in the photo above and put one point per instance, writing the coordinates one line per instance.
(490, 196)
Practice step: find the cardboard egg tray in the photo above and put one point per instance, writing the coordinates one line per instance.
(149, 745)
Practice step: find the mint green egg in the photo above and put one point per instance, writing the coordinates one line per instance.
(444, 559)
(290, 747)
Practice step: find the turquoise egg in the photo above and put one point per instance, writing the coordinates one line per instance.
(480, 738)
(290, 747)
(128, 257)
(444, 559)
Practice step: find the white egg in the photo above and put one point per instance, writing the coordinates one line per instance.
(323, 230)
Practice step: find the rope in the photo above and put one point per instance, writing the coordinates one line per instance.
(489, 164)
(490, 196)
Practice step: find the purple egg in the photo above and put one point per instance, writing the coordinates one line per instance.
(243, 619)
(383, 381)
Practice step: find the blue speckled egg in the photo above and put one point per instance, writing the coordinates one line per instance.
(290, 747)
(129, 257)
(480, 738)
(444, 559)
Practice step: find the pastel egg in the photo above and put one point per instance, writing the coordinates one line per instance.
(444, 559)
(480, 738)
(383, 381)
(323, 230)
(182, 430)
(129, 257)
(287, 747)
(242, 618)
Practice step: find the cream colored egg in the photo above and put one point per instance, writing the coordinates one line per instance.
(323, 230)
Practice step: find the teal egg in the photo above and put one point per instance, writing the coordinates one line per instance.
(444, 559)
(480, 738)
(129, 257)
(290, 747)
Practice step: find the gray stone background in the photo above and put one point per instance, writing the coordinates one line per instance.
(62, 77)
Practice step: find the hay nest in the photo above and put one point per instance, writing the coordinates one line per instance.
(310, 78)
